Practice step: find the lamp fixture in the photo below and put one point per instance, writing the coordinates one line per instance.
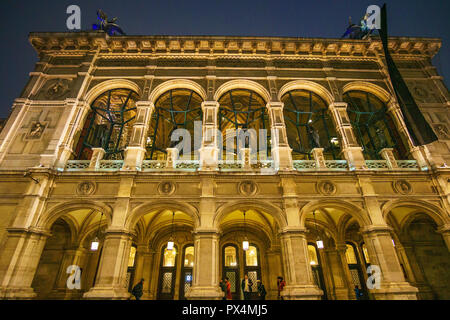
(96, 242)
(245, 244)
(170, 243)
(319, 242)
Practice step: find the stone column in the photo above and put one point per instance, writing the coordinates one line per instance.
(275, 269)
(97, 156)
(75, 256)
(388, 155)
(144, 261)
(297, 270)
(340, 274)
(18, 263)
(209, 151)
(73, 124)
(281, 152)
(417, 152)
(382, 253)
(318, 157)
(205, 284)
(112, 272)
(349, 145)
(135, 152)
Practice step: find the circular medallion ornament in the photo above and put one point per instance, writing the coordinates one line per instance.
(326, 187)
(86, 188)
(248, 188)
(166, 188)
(403, 187)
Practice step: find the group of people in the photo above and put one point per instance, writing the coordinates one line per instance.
(247, 288)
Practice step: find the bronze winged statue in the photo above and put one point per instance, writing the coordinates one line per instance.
(109, 26)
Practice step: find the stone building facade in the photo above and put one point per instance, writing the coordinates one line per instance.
(86, 154)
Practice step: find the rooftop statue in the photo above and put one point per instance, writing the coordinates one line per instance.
(359, 32)
(109, 26)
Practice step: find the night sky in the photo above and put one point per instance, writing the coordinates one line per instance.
(295, 18)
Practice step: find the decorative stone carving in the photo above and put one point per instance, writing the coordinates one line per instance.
(248, 188)
(86, 188)
(403, 187)
(326, 187)
(166, 188)
(441, 131)
(57, 88)
(36, 130)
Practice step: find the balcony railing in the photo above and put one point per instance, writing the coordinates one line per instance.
(227, 166)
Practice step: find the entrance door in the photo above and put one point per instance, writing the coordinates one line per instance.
(355, 269)
(186, 271)
(252, 268)
(167, 274)
(231, 269)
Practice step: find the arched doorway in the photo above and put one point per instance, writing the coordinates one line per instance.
(422, 251)
(316, 266)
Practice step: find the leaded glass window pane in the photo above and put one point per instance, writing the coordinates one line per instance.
(242, 109)
(230, 257)
(313, 260)
(175, 109)
(251, 256)
(169, 257)
(373, 126)
(109, 125)
(350, 255)
(309, 125)
(189, 256)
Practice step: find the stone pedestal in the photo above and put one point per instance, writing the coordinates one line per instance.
(134, 156)
(205, 283)
(97, 155)
(297, 270)
(172, 158)
(388, 155)
(318, 157)
(418, 155)
(245, 158)
(112, 271)
(354, 157)
(209, 158)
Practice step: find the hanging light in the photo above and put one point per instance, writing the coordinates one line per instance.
(170, 243)
(319, 242)
(96, 242)
(245, 244)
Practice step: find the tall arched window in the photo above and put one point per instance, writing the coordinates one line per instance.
(244, 109)
(109, 124)
(175, 109)
(309, 125)
(373, 126)
(316, 268)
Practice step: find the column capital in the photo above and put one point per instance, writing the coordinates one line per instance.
(199, 232)
(145, 104)
(338, 105)
(287, 231)
(376, 229)
(275, 104)
(210, 104)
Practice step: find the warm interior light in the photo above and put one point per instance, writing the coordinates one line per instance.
(245, 245)
(312, 262)
(94, 244)
(319, 244)
(170, 245)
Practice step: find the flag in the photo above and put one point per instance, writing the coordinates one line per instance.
(418, 128)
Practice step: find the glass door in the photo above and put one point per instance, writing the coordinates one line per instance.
(252, 268)
(231, 269)
(186, 271)
(167, 274)
(316, 268)
(355, 270)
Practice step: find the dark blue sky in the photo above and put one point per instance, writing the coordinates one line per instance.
(296, 18)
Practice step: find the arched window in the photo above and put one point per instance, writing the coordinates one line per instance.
(373, 126)
(251, 257)
(186, 271)
(242, 109)
(175, 109)
(309, 125)
(109, 124)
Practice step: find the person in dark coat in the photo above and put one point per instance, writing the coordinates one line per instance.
(137, 291)
(223, 287)
(247, 287)
(261, 290)
(358, 293)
